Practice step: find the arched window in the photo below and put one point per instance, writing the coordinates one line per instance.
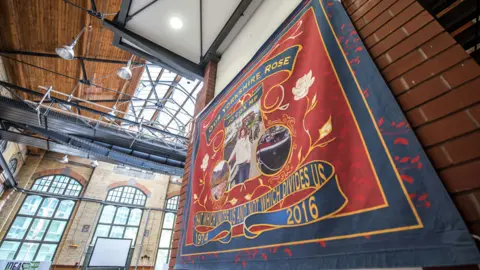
(172, 203)
(12, 165)
(121, 221)
(39, 225)
(166, 239)
(3, 146)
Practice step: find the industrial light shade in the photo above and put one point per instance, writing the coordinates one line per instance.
(125, 72)
(66, 52)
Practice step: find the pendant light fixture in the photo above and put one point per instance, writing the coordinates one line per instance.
(66, 52)
(126, 72)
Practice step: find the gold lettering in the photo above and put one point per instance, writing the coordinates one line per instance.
(306, 175)
(267, 68)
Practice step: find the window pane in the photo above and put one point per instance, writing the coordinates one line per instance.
(55, 230)
(169, 220)
(102, 231)
(48, 207)
(45, 253)
(127, 196)
(135, 216)
(162, 256)
(117, 232)
(27, 251)
(165, 239)
(172, 203)
(8, 249)
(42, 184)
(3, 146)
(139, 198)
(12, 165)
(121, 216)
(73, 188)
(107, 214)
(131, 233)
(19, 227)
(114, 194)
(30, 205)
(38, 229)
(59, 184)
(64, 209)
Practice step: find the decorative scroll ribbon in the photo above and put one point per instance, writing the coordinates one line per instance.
(230, 118)
(322, 197)
(283, 61)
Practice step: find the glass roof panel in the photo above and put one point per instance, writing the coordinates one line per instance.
(183, 118)
(161, 91)
(175, 93)
(163, 119)
(179, 96)
(189, 106)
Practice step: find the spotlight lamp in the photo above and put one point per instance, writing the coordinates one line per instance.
(66, 51)
(125, 72)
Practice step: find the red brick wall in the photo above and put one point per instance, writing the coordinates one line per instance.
(130, 183)
(204, 97)
(65, 171)
(436, 83)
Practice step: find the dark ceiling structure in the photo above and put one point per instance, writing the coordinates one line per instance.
(80, 106)
(459, 18)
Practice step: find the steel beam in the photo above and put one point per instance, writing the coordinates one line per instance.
(129, 17)
(110, 152)
(211, 54)
(178, 63)
(18, 112)
(52, 55)
(80, 148)
(41, 143)
(107, 115)
(96, 100)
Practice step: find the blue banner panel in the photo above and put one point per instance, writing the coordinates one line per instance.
(305, 161)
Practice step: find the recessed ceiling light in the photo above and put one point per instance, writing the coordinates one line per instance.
(176, 23)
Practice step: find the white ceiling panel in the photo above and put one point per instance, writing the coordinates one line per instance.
(153, 23)
(215, 14)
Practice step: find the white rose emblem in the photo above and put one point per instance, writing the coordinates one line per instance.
(205, 162)
(303, 85)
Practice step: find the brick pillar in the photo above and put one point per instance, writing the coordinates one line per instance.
(203, 98)
(437, 85)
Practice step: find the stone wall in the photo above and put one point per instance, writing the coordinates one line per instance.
(96, 184)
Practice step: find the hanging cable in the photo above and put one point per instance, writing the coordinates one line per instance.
(78, 80)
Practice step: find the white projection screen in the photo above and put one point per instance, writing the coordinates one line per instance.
(110, 252)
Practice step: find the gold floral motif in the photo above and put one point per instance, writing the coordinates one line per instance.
(323, 132)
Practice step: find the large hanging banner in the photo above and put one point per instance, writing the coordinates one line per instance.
(305, 161)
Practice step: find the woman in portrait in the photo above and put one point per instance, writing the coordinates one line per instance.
(242, 153)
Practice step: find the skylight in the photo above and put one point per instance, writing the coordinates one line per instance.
(167, 100)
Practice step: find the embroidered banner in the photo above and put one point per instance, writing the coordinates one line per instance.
(306, 160)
